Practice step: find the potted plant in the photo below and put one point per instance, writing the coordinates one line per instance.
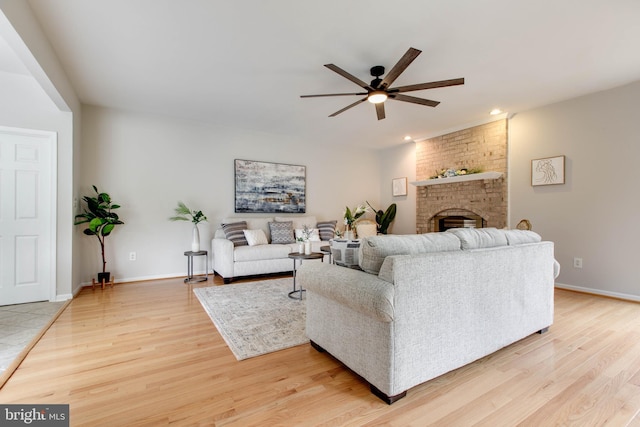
(102, 220)
(384, 219)
(350, 219)
(183, 213)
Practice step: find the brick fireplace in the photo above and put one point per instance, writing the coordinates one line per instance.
(470, 203)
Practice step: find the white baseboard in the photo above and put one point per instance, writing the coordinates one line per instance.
(155, 277)
(63, 297)
(618, 295)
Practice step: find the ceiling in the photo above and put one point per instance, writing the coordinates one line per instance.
(244, 64)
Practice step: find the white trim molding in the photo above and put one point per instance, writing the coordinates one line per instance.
(600, 292)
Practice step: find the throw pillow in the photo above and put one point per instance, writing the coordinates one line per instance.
(327, 229)
(315, 236)
(235, 232)
(281, 232)
(298, 221)
(255, 237)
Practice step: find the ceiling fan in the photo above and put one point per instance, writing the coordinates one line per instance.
(379, 90)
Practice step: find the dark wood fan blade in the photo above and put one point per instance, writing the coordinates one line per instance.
(349, 76)
(380, 110)
(348, 106)
(333, 94)
(413, 99)
(400, 66)
(430, 85)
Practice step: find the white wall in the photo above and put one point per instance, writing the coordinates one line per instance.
(44, 101)
(594, 215)
(148, 163)
(23, 104)
(399, 162)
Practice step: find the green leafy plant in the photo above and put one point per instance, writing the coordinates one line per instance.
(351, 217)
(183, 213)
(100, 217)
(384, 219)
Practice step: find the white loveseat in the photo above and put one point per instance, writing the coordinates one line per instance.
(231, 261)
(428, 304)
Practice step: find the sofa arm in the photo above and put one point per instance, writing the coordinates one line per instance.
(222, 253)
(360, 291)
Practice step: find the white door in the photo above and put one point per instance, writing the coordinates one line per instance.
(27, 227)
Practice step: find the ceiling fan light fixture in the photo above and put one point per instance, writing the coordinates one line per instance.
(377, 96)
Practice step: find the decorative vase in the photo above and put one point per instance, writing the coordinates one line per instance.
(300, 247)
(307, 247)
(348, 233)
(195, 242)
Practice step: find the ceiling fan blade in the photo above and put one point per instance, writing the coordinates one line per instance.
(380, 110)
(333, 94)
(400, 66)
(349, 76)
(414, 100)
(430, 85)
(348, 106)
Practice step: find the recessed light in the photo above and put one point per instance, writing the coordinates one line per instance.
(495, 112)
(408, 138)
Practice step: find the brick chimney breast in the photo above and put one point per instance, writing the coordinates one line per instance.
(483, 147)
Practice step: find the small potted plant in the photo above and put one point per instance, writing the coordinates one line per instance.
(350, 219)
(102, 220)
(183, 213)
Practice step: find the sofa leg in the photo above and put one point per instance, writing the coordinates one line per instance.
(387, 399)
(543, 330)
(317, 347)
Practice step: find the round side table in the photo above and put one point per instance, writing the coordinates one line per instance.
(298, 256)
(190, 278)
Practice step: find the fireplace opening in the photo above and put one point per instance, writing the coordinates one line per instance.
(445, 222)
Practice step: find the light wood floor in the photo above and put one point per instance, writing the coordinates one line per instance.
(147, 354)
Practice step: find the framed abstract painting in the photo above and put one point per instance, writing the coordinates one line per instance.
(263, 187)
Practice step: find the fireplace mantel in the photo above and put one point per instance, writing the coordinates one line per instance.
(459, 178)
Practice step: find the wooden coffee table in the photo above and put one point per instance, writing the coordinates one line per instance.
(298, 256)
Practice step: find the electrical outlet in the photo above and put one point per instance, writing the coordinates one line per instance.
(132, 256)
(577, 263)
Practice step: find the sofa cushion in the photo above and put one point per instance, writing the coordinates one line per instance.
(234, 231)
(261, 252)
(478, 238)
(327, 229)
(521, 237)
(255, 237)
(298, 221)
(281, 232)
(374, 249)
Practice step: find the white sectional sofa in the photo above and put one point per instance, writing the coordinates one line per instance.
(428, 304)
(231, 261)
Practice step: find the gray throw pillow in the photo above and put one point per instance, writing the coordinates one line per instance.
(234, 232)
(327, 229)
(281, 232)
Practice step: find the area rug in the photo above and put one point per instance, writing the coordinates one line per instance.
(256, 318)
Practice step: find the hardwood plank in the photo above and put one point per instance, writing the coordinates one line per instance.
(147, 354)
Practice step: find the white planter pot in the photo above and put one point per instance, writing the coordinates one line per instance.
(195, 241)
